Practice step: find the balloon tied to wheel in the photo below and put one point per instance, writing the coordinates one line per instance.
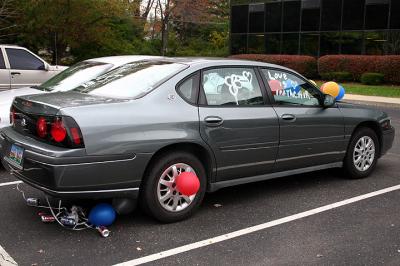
(187, 183)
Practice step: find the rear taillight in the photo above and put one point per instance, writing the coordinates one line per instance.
(12, 115)
(76, 135)
(41, 127)
(58, 130)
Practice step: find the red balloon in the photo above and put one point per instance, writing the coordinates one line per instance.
(187, 183)
(275, 85)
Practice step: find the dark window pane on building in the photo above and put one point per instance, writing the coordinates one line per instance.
(329, 43)
(239, 19)
(376, 14)
(331, 14)
(238, 43)
(273, 16)
(353, 14)
(290, 43)
(310, 15)
(309, 44)
(256, 18)
(256, 44)
(352, 42)
(272, 44)
(375, 42)
(291, 15)
(392, 46)
(395, 15)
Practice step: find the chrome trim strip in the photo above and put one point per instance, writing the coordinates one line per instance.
(77, 164)
(221, 184)
(311, 155)
(89, 191)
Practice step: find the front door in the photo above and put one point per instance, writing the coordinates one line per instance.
(310, 135)
(25, 68)
(236, 122)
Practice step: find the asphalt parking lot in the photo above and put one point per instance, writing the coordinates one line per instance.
(364, 232)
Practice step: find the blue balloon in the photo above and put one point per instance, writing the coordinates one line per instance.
(341, 93)
(297, 89)
(102, 214)
(292, 86)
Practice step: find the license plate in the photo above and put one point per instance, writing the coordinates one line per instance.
(16, 156)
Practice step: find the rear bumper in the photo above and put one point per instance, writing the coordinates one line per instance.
(387, 140)
(77, 177)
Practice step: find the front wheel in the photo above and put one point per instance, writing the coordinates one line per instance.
(362, 154)
(159, 196)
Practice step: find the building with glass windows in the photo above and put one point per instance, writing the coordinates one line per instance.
(315, 27)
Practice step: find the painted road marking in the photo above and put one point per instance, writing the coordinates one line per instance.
(5, 259)
(10, 183)
(252, 229)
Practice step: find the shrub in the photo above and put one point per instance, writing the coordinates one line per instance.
(305, 65)
(357, 65)
(372, 78)
(337, 76)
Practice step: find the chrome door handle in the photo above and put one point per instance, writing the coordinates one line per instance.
(15, 73)
(288, 117)
(213, 121)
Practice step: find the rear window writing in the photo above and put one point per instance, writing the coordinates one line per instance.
(131, 80)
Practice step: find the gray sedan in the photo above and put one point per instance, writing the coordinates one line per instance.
(133, 130)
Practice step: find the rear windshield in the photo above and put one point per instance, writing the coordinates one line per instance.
(75, 76)
(132, 80)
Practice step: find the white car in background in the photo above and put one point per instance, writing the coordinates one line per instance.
(66, 80)
(19, 68)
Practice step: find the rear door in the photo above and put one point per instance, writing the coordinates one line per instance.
(309, 134)
(4, 73)
(26, 69)
(237, 122)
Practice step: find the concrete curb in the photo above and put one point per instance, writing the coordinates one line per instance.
(377, 101)
(375, 104)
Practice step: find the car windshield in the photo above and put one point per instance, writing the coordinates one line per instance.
(75, 76)
(132, 80)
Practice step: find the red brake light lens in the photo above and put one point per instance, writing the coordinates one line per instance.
(76, 136)
(58, 131)
(41, 127)
(12, 115)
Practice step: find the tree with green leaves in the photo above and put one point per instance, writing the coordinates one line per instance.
(87, 27)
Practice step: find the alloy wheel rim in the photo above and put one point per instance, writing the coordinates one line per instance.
(168, 195)
(364, 153)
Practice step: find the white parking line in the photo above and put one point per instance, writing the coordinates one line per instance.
(248, 230)
(5, 259)
(10, 183)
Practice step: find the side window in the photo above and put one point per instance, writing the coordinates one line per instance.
(2, 64)
(289, 89)
(21, 59)
(231, 86)
(188, 88)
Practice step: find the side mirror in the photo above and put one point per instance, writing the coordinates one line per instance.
(44, 67)
(329, 101)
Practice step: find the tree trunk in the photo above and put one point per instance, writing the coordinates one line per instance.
(164, 36)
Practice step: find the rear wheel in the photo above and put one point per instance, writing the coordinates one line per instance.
(159, 196)
(362, 153)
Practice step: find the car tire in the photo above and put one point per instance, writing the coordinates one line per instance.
(362, 154)
(153, 191)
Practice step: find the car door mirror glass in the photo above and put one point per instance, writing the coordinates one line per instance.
(43, 67)
(329, 101)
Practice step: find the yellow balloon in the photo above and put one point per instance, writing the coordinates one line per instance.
(331, 88)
